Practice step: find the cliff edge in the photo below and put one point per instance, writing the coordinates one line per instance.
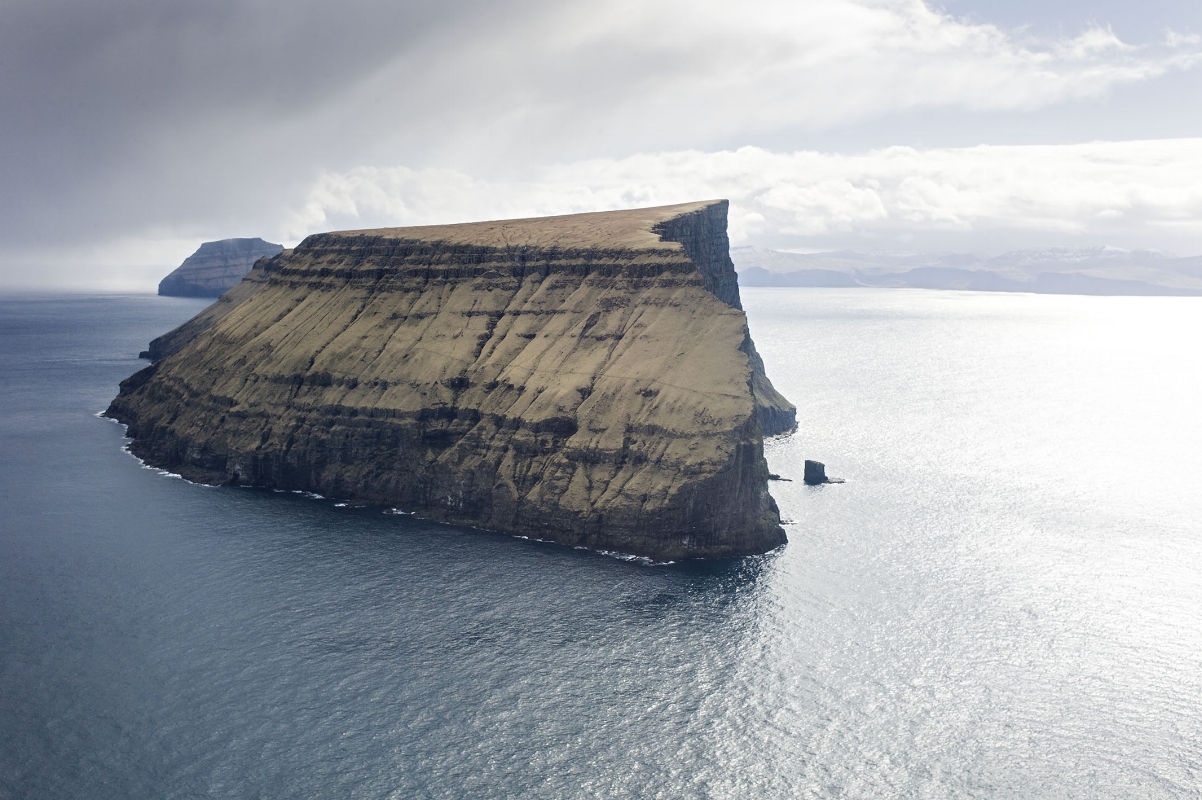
(587, 379)
(216, 267)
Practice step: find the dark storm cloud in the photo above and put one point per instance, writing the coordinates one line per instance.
(136, 103)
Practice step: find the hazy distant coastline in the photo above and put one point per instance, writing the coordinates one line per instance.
(1089, 271)
(216, 267)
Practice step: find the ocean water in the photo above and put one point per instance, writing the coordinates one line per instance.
(1003, 600)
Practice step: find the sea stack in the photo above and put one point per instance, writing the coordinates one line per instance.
(216, 267)
(815, 473)
(587, 379)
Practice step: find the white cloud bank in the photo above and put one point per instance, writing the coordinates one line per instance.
(166, 132)
(1146, 194)
(621, 76)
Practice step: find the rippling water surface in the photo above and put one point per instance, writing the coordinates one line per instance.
(1003, 600)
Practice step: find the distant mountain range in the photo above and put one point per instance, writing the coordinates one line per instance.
(1057, 270)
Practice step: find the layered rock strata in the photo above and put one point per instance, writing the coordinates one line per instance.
(588, 379)
(216, 267)
(174, 340)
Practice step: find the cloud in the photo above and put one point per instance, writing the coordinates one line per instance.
(1139, 194)
(173, 121)
(1176, 39)
(617, 77)
(1144, 192)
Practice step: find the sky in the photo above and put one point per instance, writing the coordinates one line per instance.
(134, 130)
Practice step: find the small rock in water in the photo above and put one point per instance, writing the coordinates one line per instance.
(816, 474)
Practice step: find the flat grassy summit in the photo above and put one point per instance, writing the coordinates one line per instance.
(588, 379)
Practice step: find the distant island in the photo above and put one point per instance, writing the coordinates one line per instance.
(1091, 271)
(588, 379)
(216, 267)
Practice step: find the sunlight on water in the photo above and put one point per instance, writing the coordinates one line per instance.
(1021, 515)
(1003, 600)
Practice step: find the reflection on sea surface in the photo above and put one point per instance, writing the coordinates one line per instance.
(1002, 600)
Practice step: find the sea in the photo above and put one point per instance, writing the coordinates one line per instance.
(1003, 599)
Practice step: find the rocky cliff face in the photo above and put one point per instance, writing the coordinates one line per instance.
(174, 340)
(587, 379)
(216, 267)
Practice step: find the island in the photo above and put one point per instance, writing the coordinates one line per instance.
(587, 379)
(216, 267)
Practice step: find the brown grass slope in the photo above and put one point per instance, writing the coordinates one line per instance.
(587, 379)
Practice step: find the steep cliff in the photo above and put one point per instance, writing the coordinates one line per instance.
(216, 267)
(587, 379)
(174, 340)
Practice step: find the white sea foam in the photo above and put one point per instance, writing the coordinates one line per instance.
(627, 557)
(633, 559)
(157, 470)
(141, 462)
(310, 495)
